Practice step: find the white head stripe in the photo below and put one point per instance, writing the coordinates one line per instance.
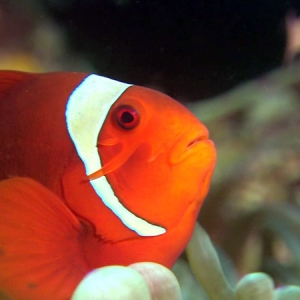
(86, 111)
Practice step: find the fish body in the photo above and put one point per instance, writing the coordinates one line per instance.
(110, 172)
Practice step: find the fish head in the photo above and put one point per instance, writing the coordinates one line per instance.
(145, 171)
(166, 157)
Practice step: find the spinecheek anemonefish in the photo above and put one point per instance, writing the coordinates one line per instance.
(94, 172)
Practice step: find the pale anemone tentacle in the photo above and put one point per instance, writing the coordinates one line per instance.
(86, 111)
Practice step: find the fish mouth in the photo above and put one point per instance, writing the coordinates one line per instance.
(187, 143)
(196, 140)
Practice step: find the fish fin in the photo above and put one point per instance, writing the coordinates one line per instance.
(40, 252)
(9, 79)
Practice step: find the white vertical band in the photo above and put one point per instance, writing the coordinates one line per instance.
(86, 111)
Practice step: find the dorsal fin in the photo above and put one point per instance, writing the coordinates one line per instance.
(10, 79)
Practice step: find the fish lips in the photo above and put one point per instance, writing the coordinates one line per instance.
(192, 142)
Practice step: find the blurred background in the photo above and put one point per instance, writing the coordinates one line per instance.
(233, 63)
(192, 49)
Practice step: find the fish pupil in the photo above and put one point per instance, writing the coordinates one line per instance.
(126, 116)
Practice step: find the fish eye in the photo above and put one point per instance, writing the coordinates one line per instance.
(126, 116)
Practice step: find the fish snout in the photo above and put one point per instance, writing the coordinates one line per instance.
(189, 143)
(197, 139)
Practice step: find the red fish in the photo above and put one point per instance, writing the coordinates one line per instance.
(94, 172)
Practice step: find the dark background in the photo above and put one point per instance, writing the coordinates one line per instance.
(189, 49)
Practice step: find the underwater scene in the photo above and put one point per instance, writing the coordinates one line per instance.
(149, 150)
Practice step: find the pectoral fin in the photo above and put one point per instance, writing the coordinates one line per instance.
(40, 253)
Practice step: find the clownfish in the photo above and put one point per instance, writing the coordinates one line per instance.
(94, 172)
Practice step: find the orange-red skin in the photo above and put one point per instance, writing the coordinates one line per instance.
(33, 132)
(36, 144)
